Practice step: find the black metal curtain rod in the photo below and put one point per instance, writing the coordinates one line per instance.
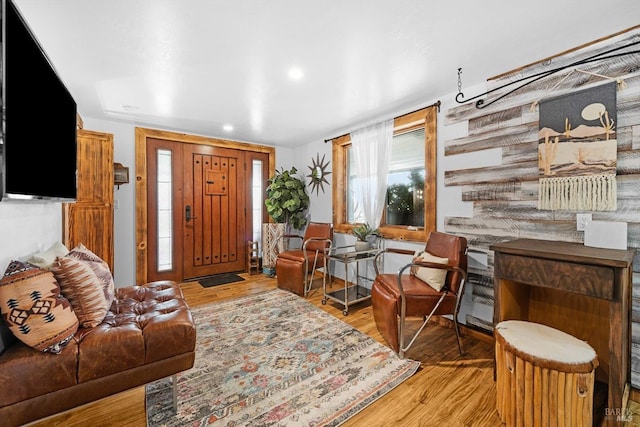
(435, 104)
(539, 76)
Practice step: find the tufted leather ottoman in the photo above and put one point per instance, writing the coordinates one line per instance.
(147, 334)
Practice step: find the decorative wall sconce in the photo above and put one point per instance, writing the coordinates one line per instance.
(120, 174)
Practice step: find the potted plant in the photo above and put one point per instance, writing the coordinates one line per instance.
(287, 199)
(364, 234)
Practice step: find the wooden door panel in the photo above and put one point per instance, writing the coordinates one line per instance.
(95, 167)
(215, 195)
(92, 225)
(90, 219)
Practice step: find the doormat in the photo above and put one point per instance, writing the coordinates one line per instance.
(219, 279)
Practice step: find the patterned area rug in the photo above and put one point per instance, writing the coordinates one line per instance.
(274, 359)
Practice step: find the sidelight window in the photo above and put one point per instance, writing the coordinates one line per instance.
(257, 195)
(165, 211)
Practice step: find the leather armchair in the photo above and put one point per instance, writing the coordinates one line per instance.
(394, 297)
(295, 268)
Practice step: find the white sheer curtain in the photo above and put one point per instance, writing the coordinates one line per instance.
(371, 149)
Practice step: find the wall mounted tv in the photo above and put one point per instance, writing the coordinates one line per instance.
(38, 144)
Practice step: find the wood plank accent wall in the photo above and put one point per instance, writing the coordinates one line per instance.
(505, 197)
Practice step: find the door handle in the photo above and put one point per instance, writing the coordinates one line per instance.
(187, 214)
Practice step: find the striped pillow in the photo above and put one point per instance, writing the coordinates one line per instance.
(99, 266)
(82, 287)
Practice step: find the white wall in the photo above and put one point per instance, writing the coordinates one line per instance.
(320, 209)
(449, 200)
(44, 224)
(27, 227)
(124, 214)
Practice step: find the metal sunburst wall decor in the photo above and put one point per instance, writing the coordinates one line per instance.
(318, 175)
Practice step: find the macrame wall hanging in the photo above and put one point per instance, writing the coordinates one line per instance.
(577, 150)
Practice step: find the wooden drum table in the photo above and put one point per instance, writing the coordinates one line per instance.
(543, 376)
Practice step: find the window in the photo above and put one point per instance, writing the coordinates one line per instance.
(411, 183)
(165, 211)
(257, 195)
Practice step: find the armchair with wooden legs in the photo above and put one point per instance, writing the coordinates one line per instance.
(295, 268)
(414, 290)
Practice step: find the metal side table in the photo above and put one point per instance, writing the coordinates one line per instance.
(352, 292)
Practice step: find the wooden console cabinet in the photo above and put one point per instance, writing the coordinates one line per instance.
(580, 290)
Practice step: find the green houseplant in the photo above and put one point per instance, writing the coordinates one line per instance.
(364, 234)
(287, 199)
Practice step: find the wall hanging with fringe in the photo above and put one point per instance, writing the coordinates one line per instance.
(577, 150)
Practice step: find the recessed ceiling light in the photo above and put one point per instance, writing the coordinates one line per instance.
(227, 128)
(295, 73)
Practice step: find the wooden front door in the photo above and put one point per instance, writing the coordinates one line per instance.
(214, 212)
(172, 170)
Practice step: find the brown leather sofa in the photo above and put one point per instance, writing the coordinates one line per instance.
(148, 334)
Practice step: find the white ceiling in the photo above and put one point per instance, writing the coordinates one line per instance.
(195, 65)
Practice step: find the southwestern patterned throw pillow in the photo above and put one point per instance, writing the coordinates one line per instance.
(83, 289)
(33, 308)
(99, 266)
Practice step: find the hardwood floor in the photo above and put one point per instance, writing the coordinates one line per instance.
(447, 390)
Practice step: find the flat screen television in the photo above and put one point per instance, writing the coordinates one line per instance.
(38, 144)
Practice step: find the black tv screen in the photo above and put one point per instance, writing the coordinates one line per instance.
(38, 118)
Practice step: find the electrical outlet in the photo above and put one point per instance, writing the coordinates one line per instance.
(582, 220)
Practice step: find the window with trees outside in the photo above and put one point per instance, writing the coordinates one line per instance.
(410, 211)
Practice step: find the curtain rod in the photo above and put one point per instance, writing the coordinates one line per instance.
(435, 104)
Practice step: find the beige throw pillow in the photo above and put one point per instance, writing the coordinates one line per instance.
(83, 289)
(34, 309)
(434, 277)
(99, 266)
(47, 258)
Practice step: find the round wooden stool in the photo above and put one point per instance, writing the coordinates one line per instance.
(543, 376)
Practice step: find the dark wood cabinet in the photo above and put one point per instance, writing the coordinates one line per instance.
(581, 290)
